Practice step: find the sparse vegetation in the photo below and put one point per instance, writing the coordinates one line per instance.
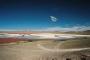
(24, 50)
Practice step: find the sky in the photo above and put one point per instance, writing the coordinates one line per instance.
(42, 14)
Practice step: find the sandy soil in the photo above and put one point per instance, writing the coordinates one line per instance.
(30, 51)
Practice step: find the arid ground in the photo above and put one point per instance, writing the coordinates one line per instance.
(33, 50)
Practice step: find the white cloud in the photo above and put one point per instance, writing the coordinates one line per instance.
(62, 29)
(53, 19)
(65, 29)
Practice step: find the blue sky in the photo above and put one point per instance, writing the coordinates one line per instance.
(35, 14)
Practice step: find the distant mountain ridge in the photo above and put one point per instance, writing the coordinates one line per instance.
(86, 32)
